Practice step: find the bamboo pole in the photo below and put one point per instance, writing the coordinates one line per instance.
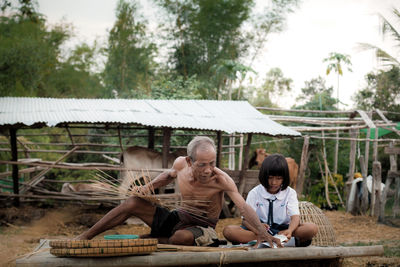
(308, 110)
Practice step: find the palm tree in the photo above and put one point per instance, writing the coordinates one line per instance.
(335, 61)
(387, 29)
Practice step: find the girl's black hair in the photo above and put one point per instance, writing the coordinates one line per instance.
(274, 165)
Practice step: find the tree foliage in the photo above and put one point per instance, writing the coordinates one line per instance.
(316, 96)
(275, 85)
(31, 63)
(382, 91)
(130, 62)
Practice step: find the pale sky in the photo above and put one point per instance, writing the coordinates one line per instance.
(315, 29)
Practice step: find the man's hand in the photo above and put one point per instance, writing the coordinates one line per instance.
(143, 190)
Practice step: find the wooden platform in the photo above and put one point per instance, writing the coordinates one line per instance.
(234, 258)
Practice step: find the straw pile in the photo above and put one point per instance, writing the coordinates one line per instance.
(310, 213)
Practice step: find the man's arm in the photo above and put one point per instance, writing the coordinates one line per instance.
(166, 177)
(249, 215)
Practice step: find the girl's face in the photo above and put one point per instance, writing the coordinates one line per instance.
(274, 184)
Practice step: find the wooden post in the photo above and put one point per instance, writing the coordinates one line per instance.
(151, 135)
(14, 157)
(376, 188)
(336, 153)
(365, 170)
(231, 150)
(352, 164)
(303, 166)
(120, 139)
(241, 152)
(219, 149)
(242, 180)
(375, 148)
(389, 179)
(166, 146)
(364, 198)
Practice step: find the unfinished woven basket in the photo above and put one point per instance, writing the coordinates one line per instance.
(310, 213)
(102, 248)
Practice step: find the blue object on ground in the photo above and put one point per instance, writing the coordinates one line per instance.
(116, 237)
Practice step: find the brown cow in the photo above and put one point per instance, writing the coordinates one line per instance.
(260, 155)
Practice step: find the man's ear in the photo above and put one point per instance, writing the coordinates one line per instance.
(189, 161)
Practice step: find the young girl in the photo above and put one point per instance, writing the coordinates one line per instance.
(276, 204)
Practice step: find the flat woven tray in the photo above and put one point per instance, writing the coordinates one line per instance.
(102, 252)
(102, 243)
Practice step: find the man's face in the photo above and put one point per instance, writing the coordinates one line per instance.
(203, 167)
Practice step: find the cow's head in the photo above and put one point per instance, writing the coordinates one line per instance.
(67, 188)
(257, 158)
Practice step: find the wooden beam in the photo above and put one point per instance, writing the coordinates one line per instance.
(14, 157)
(366, 119)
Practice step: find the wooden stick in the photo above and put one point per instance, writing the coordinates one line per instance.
(325, 180)
(39, 177)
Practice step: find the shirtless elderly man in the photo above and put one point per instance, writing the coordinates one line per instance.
(198, 178)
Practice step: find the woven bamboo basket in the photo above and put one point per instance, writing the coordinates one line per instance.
(102, 248)
(310, 213)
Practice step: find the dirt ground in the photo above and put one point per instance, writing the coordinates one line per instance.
(21, 229)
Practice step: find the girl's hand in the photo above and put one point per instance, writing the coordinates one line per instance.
(287, 233)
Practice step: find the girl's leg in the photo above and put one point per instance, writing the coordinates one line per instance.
(236, 234)
(305, 231)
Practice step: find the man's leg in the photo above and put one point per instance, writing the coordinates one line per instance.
(182, 237)
(236, 234)
(133, 206)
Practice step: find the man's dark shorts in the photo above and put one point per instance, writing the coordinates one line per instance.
(166, 223)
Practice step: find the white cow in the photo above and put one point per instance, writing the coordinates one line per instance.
(143, 159)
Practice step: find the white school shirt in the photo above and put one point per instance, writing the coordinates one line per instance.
(285, 205)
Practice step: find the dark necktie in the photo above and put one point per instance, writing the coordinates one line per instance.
(270, 211)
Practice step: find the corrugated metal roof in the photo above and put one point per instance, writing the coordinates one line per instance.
(227, 116)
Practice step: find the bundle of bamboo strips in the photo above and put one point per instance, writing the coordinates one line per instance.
(140, 186)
